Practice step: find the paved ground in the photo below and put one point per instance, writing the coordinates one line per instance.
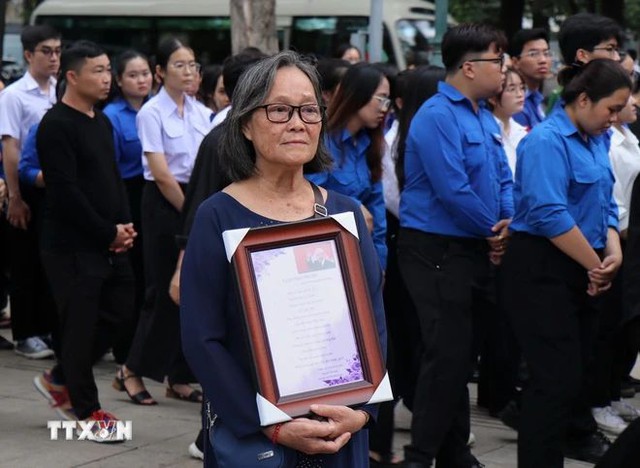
(161, 434)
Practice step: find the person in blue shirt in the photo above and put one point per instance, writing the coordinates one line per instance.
(531, 56)
(133, 79)
(582, 38)
(454, 216)
(565, 250)
(29, 171)
(355, 141)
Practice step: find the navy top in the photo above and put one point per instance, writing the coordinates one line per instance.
(212, 324)
(532, 114)
(29, 164)
(351, 176)
(563, 181)
(458, 181)
(125, 137)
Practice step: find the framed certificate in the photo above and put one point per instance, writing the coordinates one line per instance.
(308, 313)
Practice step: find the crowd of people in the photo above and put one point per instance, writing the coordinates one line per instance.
(497, 219)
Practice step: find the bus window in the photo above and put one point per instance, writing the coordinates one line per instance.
(210, 38)
(414, 38)
(321, 35)
(113, 33)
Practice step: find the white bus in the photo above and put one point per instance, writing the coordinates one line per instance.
(308, 26)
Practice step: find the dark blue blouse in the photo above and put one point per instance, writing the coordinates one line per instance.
(213, 336)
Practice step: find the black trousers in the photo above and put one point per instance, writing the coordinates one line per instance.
(94, 293)
(499, 358)
(156, 350)
(33, 310)
(126, 332)
(608, 364)
(449, 281)
(403, 345)
(555, 323)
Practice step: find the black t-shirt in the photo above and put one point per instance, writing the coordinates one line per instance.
(85, 196)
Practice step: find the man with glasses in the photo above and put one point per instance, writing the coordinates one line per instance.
(454, 216)
(22, 105)
(584, 37)
(532, 57)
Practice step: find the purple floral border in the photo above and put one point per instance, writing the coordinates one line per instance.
(353, 372)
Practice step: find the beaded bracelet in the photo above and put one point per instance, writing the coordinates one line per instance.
(276, 432)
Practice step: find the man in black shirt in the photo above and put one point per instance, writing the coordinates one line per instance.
(86, 233)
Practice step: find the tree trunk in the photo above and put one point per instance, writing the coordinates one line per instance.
(253, 24)
(511, 12)
(540, 18)
(614, 9)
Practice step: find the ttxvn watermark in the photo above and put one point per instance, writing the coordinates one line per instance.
(97, 431)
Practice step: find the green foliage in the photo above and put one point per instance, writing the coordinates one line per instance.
(477, 11)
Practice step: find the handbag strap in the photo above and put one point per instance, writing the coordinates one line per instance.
(319, 210)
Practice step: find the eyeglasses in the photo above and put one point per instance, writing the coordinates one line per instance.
(49, 52)
(536, 54)
(182, 66)
(282, 113)
(610, 49)
(383, 103)
(496, 60)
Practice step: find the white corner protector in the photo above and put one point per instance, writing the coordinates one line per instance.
(383, 392)
(347, 221)
(232, 239)
(270, 413)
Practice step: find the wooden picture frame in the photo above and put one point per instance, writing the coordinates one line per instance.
(297, 318)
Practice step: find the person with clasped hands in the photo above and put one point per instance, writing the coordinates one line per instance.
(275, 133)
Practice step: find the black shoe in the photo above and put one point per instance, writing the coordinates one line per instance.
(634, 382)
(5, 344)
(589, 449)
(510, 415)
(627, 389)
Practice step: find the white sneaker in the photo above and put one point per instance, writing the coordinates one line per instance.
(608, 420)
(472, 440)
(195, 452)
(33, 348)
(625, 410)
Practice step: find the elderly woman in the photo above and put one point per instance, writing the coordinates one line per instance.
(274, 134)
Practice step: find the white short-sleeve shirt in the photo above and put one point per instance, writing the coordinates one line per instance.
(511, 140)
(162, 130)
(625, 162)
(22, 105)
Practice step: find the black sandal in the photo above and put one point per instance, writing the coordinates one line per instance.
(195, 396)
(140, 397)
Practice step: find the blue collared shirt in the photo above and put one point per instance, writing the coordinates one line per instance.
(351, 176)
(29, 164)
(125, 138)
(458, 181)
(532, 114)
(563, 181)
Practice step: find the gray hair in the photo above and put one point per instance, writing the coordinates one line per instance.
(237, 154)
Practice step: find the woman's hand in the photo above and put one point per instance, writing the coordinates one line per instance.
(343, 418)
(174, 287)
(368, 217)
(600, 278)
(309, 436)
